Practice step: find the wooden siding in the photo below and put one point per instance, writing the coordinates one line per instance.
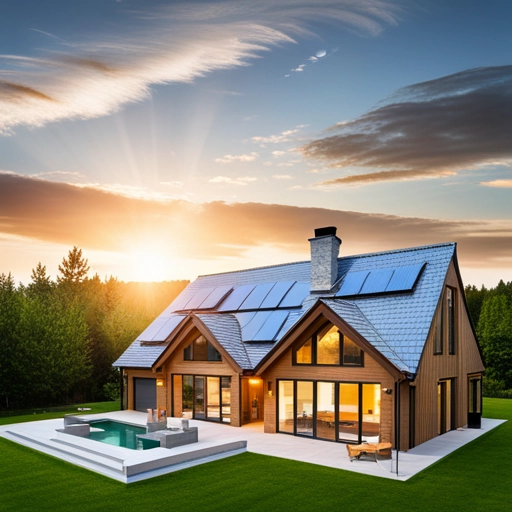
(144, 374)
(372, 372)
(174, 365)
(433, 368)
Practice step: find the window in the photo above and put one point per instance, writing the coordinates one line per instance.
(329, 347)
(352, 354)
(450, 312)
(201, 350)
(445, 324)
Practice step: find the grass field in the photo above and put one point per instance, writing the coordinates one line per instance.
(50, 413)
(478, 477)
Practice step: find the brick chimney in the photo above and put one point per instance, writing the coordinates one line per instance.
(325, 248)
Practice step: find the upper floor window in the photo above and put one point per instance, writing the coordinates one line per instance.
(201, 350)
(445, 331)
(329, 347)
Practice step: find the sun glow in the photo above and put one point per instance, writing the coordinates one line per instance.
(148, 266)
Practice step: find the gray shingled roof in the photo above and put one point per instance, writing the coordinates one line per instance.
(227, 332)
(396, 324)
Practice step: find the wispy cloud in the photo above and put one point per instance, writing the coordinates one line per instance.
(286, 136)
(228, 159)
(96, 74)
(282, 177)
(312, 59)
(240, 180)
(497, 183)
(431, 129)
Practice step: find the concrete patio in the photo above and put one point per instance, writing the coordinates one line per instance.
(218, 441)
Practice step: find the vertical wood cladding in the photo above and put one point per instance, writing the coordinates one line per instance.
(372, 372)
(433, 368)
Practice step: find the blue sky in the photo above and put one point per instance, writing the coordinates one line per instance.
(133, 128)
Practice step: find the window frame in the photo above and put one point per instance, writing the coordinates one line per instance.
(210, 349)
(314, 350)
(445, 323)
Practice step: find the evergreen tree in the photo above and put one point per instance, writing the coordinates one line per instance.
(495, 335)
(73, 269)
(41, 283)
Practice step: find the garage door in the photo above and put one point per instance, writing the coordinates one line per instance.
(145, 394)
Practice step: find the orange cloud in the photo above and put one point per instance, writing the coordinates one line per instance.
(97, 220)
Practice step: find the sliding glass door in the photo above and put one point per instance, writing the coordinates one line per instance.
(336, 411)
(206, 398)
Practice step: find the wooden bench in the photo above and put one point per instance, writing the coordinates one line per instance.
(355, 451)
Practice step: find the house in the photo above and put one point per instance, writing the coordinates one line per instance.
(346, 349)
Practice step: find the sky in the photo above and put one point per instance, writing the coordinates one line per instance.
(170, 139)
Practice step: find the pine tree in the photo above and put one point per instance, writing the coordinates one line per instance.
(41, 284)
(73, 269)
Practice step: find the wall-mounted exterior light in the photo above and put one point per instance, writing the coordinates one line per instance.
(160, 383)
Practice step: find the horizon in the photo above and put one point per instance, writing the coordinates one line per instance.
(174, 139)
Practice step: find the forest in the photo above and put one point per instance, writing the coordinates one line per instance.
(58, 339)
(491, 313)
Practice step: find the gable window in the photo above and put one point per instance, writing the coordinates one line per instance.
(329, 347)
(445, 324)
(201, 350)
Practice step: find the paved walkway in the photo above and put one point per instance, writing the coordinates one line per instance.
(290, 447)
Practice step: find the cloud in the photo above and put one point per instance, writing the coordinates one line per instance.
(228, 159)
(277, 154)
(313, 59)
(285, 136)
(497, 183)
(96, 220)
(241, 180)
(282, 177)
(96, 74)
(431, 129)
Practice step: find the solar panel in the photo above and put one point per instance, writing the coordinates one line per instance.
(245, 318)
(254, 325)
(404, 278)
(167, 328)
(272, 326)
(236, 297)
(295, 296)
(352, 283)
(256, 297)
(275, 296)
(216, 296)
(198, 298)
(151, 330)
(377, 281)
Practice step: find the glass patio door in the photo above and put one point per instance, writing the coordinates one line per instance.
(199, 412)
(348, 412)
(304, 409)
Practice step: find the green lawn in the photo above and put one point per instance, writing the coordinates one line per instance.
(50, 413)
(476, 477)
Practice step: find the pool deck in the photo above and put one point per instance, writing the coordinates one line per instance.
(218, 441)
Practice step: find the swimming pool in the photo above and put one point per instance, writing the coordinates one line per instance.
(121, 434)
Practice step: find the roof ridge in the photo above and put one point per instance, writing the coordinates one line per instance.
(363, 255)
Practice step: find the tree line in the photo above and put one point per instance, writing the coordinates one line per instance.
(58, 339)
(491, 313)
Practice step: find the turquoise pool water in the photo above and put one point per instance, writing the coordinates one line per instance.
(121, 434)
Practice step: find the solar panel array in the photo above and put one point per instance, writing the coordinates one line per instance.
(261, 325)
(387, 280)
(249, 297)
